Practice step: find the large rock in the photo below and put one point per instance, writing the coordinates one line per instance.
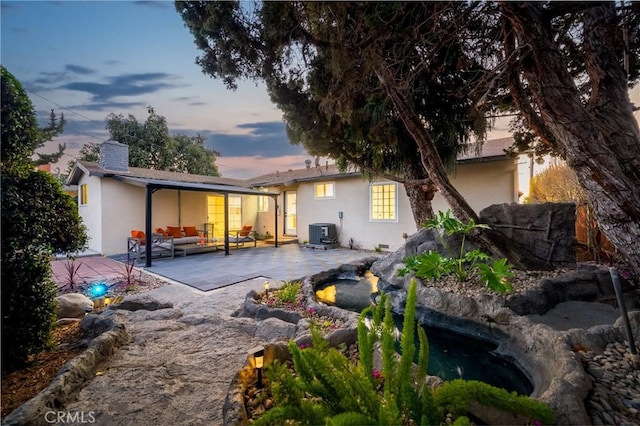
(272, 329)
(73, 305)
(547, 231)
(141, 302)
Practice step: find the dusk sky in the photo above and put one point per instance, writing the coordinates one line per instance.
(89, 59)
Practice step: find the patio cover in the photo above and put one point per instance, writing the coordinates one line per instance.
(153, 185)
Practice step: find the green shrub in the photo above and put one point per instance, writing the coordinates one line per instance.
(461, 262)
(28, 304)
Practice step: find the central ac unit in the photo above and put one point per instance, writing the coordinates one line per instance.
(322, 233)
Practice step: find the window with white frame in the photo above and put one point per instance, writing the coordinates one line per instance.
(384, 202)
(325, 190)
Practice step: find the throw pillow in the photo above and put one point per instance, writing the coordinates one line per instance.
(161, 232)
(174, 231)
(140, 235)
(190, 231)
(246, 230)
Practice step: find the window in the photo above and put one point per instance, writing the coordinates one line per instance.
(215, 212)
(325, 190)
(235, 212)
(84, 194)
(263, 203)
(384, 202)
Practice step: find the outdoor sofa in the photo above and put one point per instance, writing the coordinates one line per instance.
(163, 242)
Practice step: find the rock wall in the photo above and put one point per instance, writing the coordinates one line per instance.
(547, 231)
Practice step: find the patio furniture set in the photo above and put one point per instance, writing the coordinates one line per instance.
(183, 241)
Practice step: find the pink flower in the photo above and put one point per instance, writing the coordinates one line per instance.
(376, 374)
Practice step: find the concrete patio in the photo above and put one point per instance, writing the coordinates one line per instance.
(208, 271)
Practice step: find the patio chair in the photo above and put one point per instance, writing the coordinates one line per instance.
(242, 236)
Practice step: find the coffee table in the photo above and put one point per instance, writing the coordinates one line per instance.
(185, 249)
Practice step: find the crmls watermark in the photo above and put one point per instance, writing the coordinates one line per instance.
(68, 417)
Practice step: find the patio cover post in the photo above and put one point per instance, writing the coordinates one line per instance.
(275, 199)
(226, 224)
(147, 226)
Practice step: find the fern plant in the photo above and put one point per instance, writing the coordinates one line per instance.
(327, 388)
(460, 262)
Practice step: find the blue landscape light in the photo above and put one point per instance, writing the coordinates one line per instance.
(98, 290)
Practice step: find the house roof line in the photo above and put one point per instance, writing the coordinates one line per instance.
(164, 184)
(491, 150)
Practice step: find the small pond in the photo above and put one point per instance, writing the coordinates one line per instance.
(451, 356)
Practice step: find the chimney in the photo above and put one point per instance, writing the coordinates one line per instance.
(114, 156)
(326, 165)
(307, 162)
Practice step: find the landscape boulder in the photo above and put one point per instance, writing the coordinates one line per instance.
(73, 305)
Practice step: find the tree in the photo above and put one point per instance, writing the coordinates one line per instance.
(37, 218)
(16, 103)
(302, 56)
(568, 67)
(557, 184)
(560, 65)
(151, 146)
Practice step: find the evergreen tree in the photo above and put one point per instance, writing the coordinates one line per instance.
(564, 67)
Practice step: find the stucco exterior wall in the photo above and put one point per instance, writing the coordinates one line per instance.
(482, 184)
(91, 213)
(122, 210)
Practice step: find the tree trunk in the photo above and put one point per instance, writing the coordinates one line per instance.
(420, 196)
(599, 139)
(436, 172)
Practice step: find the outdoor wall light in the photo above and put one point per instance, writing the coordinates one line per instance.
(405, 236)
(258, 361)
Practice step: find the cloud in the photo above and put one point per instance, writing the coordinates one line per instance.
(108, 106)
(267, 139)
(77, 69)
(154, 4)
(124, 85)
(7, 6)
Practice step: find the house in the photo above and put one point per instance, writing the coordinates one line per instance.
(378, 213)
(115, 199)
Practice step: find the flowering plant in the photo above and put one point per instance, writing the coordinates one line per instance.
(291, 298)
